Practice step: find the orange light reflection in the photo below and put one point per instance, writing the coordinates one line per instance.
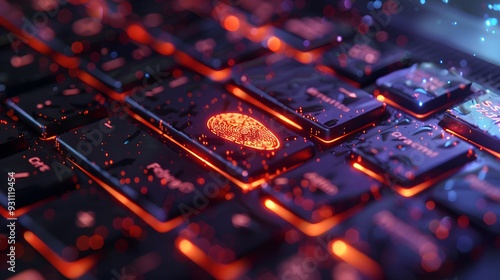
(159, 226)
(405, 191)
(474, 143)
(217, 270)
(307, 228)
(188, 61)
(70, 270)
(355, 258)
(385, 99)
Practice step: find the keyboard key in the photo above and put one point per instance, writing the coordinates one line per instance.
(474, 193)
(411, 156)
(21, 68)
(477, 120)
(306, 32)
(318, 195)
(37, 176)
(201, 38)
(407, 240)
(59, 107)
(422, 89)
(237, 139)
(11, 140)
(319, 103)
(131, 162)
(123, 65)
(4, 38)
(92, 225)
(68, 27)
(364, 63)
(223, 241)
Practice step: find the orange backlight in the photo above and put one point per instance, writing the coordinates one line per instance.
(356, 259)
(406, 192)
(217, 270)
(470, 141)
(159, 226)
(307, 228)
(188, 61)
(243, 95)
(70, 270)
(243, 130)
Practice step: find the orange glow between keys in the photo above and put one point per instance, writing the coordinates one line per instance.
(406, 192)
(468, 140)
(355, 258)
(217, 270)
(244, 130)
(307, 228)
(70, 270)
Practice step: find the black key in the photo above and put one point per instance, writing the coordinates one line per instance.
(142, 169)
(21, 68)
(223, 241)
(238, 139)
(59, 107)
(364, 63)
(37, 176)
(11, 140)
(406, 239)
(92, 224)
(67, 27)
(202, 38)
(317, 192)
(123, 65)
(477, 120)
(411, 155)
(423, 88)
(319, 103)
(306, 32)
(474, 193)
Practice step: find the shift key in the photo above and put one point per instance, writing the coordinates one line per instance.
(236, 139)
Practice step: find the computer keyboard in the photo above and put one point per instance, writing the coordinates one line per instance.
(258, 139)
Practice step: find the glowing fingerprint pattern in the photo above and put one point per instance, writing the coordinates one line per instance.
(244, 130)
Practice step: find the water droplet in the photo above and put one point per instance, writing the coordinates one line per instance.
(426, 128)
(452, 196)
(450, 144)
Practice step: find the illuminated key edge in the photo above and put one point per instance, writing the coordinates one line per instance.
(355, 258)
(220, 271)
(70, 270)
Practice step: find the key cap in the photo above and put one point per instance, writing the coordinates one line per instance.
(224, 240)
(36, 176)
(21, 68)
(320, 103)
(411, 155)
(423, 89)
(145, 171)
(407, 240)
(4, 38)
(477, 120)
(202, 38)
(68, 27)
(474, 193)
(315, 192)
(364, 63)
(11, 140)
(124, 65)
(59, 107)
(237, 139)
(308, 31)
(92, 224)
